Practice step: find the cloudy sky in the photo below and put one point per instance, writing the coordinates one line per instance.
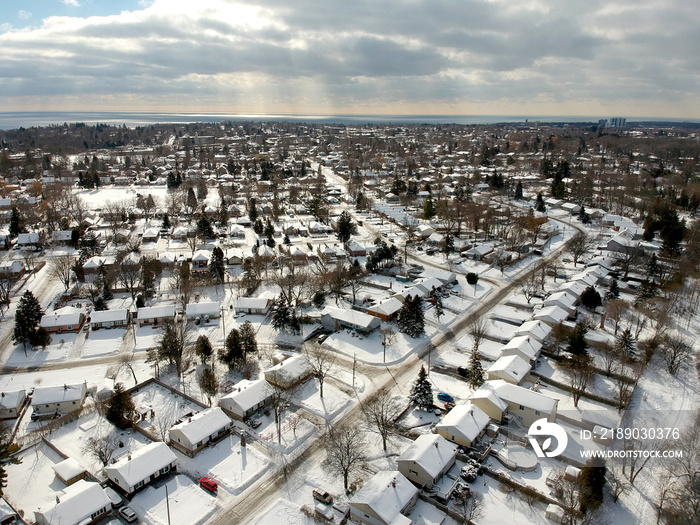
(463, 57)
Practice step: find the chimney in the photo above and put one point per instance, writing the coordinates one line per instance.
(65, 386)
(129, 457)
(393, 482)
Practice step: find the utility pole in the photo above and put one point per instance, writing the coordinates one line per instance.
(354, 365)
(223, 322)
(167, 503)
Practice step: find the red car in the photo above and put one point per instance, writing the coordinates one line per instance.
(209, 484)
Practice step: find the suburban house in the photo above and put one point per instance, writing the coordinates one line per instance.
(564, 300)
(427, 459)
(7, 514)
(11, 403)
(385, 499)
(28, 240)
(150, 235)
(253, 305)
(386, 310)
(335, 318)
(11, 269)
(290, 372)
(140, 468)
(525, 404)
(463, 425)
(61, 237)
(94, 265)
(551, 315)
(194, 310)
(200, 260)
(196, 432)
(66, 319)
(61, 399)
(109, 319)
(82, 503)
(510, 368)
(535, 329)
(155, 315)
(477, 253)
(69, 471)
(246, 398)
(355, 249)
(523, 346)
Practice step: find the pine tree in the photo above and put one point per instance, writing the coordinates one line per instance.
(539, 204)
(250, 345)
(475, 374)
(590, 484)
(613, 291)
(15, 223)
(519, 191)
(217, 268)
(280, 313)
(27, 319)
(232, 353)
(8, 456)
(577, 342)
(166, 222)
(252, 211)
(422, 391)
(345, 227)
(120, 407)
(208, 383)
(204, 228)
(411, 318)
(203, 348)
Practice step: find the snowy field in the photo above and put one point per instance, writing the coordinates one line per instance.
(187, 503)
(103, 342)
(59, 350)
(333, 402)
(370, 350)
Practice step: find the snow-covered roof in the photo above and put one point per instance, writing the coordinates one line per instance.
(202, 425)
(201, 255)
(68, 469)
(536, 329)
(194, 309)
(290, 369)
(44, 395)
(153, 312)
(65, 316)
(430, 283)
(246, 394)
(524, 344)
(512, 365)
(78, 502)
(254, 303)
(519, 395)
(352, 317)
(28, 238)
(430, 451)
(563, 298)
(12, 399)
(388, 307)
(144, 462)
(107, 316)
(386, 493)
(486, 391)
(552, 314)
(466, 421)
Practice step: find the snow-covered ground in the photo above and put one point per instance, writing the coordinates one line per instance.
(186, 503)
(104, 342)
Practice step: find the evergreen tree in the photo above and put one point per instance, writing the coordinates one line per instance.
(449, 245)
(475, 374)
(583, 216)
(439, 308)
(100, 304)
(590, 298)
(411, 318)
(590, 484)
(8, 456)
(120, 407)
(577, 341)
(252, 210)
(346, 227)
(172, 183)
(27, 319)
(280, 313)
(148, 279)
(258, 227)
(191, 201)
(203, 348)
(429, 210)
(166, 222)
(613, 291)
(208, 383)
(204, 228)
(625, 343)
(16, 223)
(647, 290)
(217, 268)
(232, 353)
(422, 391)
(518, 191)
(248, 341)
(539, 204)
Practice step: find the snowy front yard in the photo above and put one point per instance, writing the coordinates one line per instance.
(186, 503)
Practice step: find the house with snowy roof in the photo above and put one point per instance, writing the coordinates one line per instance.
(551, 315)
(82, 503)
(510, 368)
(385, 499)
(66, 319)
(290, 372)
(198, 431)
(246, 398)
(140, 468)
(155, 315)
(253, 305)
(11, 403)
(69, 471)
(194, 310)
(386, 310)
(109, 319)
(61, 399)
(535, 329)
(499, 396)
(525, 347)
(336, 318)
(427, 459)
(463, 425)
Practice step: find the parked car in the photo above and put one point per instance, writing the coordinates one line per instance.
(208, 484)
(254, 423)
(128, 514)
(462, 371)
(322, 496)
(449, 406)
(114, 498)
(442, 396)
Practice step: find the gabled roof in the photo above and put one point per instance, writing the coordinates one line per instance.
(534, 328)
(108, 316)
(512, 365)
(386, 493)
(431, 451)
(144, 462)
(466, 421)
(202, 425)
(66, 316)
(519, 395)
(77, 503)
(246, 394)
(524, 344)
(44, 395)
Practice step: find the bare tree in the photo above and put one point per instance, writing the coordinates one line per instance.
(580, 371)
(615, 310)
(633, 462)
(101, 448)
(617, 482)
(675, 350)
(469, 506)
(529, 286)
(478, 330)
(345, 448)
(381, 410)
(126, 360)
(322, 363)
(280, 400)
(61, 269)
(162, 422)
(578, 245)
(5, 288)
